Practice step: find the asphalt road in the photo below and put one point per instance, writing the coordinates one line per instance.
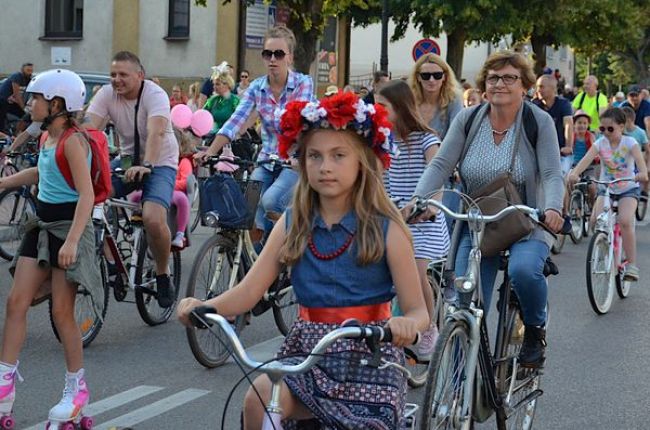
(146, 377)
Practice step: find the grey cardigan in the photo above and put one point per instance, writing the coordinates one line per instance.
(544, 182)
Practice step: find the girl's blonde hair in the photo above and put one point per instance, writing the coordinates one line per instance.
(369, 202)
(449, 91)
(194, 90)
(186, 141)
(224, 78)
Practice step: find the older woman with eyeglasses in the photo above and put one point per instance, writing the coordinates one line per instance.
(496, 129)
(267, 96)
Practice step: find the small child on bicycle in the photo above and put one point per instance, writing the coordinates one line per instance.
(583, 139)
(416, 144)
(346, 245)
(618, 155)
(188, 143)
(58, 245)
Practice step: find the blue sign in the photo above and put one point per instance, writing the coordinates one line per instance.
(425, 46)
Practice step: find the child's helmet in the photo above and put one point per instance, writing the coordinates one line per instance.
(60, 83)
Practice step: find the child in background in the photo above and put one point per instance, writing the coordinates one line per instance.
(618, 155)
(188, 143)
(633, 130)
(347, 245)
(583, 139)
(416, 144)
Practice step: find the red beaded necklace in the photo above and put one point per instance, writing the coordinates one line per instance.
(331, 255)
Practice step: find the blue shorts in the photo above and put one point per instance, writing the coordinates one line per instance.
(158, 187)
(634, 193)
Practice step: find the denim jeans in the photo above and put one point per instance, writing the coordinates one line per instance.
(277, 190)
(526, 272)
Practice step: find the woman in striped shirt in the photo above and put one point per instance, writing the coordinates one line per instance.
(415, 144)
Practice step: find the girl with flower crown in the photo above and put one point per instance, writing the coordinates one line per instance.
(415, 145)
(347, 245)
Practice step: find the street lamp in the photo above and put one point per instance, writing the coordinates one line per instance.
(383, 59)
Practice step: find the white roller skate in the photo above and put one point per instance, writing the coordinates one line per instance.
(67, 414)
(8, 376)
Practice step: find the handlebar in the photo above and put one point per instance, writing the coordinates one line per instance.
(212, 161)
(206, 314)
(537, 215)
(607, 183)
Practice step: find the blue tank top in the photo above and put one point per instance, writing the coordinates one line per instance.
(579, 150)
(341, 281)
(52, 187)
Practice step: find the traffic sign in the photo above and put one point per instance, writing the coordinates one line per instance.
(425, 46)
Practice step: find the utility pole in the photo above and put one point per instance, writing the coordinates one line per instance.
(383, 60)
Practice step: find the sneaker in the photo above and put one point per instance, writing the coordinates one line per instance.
(179, 240)
(427, 343)
(533, 349)
(165, 297)
(631, 273)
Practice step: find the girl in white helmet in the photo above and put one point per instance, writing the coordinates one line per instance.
(58, 245)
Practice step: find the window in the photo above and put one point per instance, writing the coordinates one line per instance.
(179, 19)
(64, 18)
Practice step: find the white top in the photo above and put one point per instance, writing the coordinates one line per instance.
(617, 163)
(154, 102)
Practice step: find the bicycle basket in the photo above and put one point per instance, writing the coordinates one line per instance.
(234, 202)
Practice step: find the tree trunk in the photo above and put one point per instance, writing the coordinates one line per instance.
(539, 49)
(305, 52)
(456, 50)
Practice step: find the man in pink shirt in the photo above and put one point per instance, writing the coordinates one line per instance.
(148, 146)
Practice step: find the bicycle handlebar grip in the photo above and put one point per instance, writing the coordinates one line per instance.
(197, 316)
(387, 336)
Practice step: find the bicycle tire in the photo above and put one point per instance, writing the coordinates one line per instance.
(13, 205)
(453, 340)
(523, 417)
(598, 275)
(622, 286)
(8, 170)
(195, 221)
(284, 303)
(641, 208)
(148, 308)
(576, 212)
(200, 340)
(89, 323)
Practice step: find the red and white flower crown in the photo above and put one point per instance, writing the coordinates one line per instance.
(343, 111)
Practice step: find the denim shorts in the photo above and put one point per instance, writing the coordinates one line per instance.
(634, 193)
(158, 187)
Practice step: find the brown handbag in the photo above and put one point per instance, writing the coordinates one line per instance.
(492, 198)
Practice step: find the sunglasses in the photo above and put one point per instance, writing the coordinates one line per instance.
(633, 94)
(244, 76)
(278, 54)
(609, 129)
(425, 76)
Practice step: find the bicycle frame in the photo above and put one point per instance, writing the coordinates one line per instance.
(607, 222)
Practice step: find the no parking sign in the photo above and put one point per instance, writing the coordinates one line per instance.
(425, 46)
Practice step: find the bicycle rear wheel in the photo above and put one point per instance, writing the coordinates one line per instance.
(445, 388)
(642, 208)
(576, 212)
(622, 286)
(284, 303)
(600, 282)
(14, 204)
(145, 279)
(84, 312)
(209, 278)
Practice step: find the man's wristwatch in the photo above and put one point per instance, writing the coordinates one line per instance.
(147, 165)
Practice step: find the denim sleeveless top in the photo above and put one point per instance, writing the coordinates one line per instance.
(341, 281)
(52, 187)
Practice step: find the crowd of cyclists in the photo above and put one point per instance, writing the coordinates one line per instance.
(342, 217)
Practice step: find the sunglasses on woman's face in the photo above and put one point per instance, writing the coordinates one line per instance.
(425, 76)
(610, 129)
(278, 54)
(244, 76)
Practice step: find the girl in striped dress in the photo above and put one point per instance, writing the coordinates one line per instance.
(415, 144)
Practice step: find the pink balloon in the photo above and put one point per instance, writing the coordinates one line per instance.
(202, 122)
(181, 116)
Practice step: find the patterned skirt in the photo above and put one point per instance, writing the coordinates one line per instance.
(340, 393)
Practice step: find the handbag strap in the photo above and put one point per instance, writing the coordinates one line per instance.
(136, 134)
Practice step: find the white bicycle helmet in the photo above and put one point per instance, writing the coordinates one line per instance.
(60, 83)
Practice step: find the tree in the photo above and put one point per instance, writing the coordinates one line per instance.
(307, 20)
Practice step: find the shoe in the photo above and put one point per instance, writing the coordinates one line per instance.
(8, 376)
(427, 343)
(75, 398)
(631, 273)
(179, 240)
(533, 349)
(163, 285)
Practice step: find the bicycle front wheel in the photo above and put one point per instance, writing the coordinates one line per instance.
(558, 244)
(576, 212)
(600, 282)
(642, 208)
(446, 389)
(210, 277)
(145, 279)
(284, 303)
(89, 322)
(14, 204)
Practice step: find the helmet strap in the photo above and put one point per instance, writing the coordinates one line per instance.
(49, 119)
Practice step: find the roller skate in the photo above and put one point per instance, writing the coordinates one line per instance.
(8, 376)
(67, 414)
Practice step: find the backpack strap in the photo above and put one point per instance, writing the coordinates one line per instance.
(470, 120)
(530, 124)
(582, 99)
(61, 161)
